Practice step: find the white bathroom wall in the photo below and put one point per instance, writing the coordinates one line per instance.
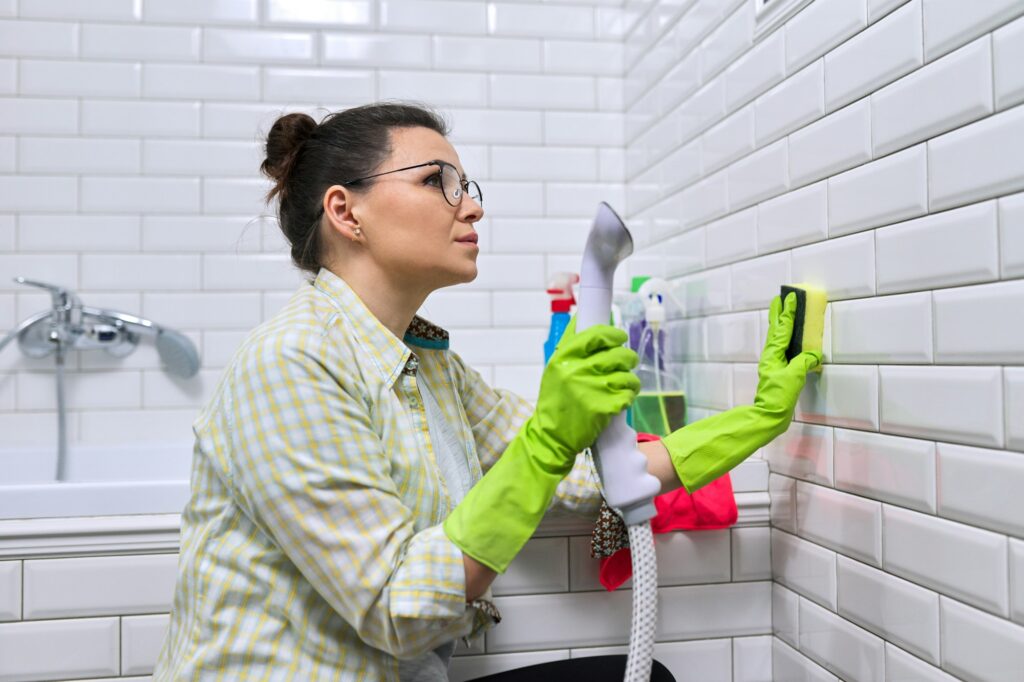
(874, 148)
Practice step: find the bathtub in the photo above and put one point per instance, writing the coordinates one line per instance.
(104, 480)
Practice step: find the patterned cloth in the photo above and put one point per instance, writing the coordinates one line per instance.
(311, 546)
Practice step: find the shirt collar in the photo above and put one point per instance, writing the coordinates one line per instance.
(389, 354)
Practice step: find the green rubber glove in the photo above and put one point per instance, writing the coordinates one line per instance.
(706, 449)
(588, 380)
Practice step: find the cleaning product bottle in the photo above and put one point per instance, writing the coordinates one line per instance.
(562, 300)
(660, 407)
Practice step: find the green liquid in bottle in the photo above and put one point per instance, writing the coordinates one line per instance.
(659, 413)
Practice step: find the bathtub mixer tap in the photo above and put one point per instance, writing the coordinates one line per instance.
(69, 325)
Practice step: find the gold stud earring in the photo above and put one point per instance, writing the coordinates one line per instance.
(357, 231)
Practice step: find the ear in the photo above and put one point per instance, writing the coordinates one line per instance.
(339, 209)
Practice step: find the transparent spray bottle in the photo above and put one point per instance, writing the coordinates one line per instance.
(660, 407)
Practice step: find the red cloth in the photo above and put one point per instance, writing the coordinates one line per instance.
(709, 508)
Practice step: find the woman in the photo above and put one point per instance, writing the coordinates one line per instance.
(340, 526)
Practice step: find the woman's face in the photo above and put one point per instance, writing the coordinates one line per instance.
(411, 231)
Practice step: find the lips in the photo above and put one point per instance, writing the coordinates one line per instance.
(470, 238)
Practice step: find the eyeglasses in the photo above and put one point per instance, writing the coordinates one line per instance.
(453, 186)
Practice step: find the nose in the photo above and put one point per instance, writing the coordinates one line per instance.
(470, 211)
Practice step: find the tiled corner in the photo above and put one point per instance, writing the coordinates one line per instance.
(785, 614)
(846, 523)
(790, 664)
(804, 567)
(751, 554)
(10, 590)
(839, 646)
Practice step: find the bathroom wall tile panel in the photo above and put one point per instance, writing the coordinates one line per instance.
(879, 55)
(163, 43)
(761, 175)
(163, 391)
(755, 72)
(203, 310)
(59, 649)
(978, 646)
(106, 10)
(803, 451)
(884, 191)
(727, 42)
(958, 404)
(789, 664)
(508, 271)
(10, 590)
(744, 383)
(846, 523)
(506, 346)
(144, 119)
(729, 140)
(378, 50)
(460, 53)
(141, 640)
(886, 468)
(785, 614)
(544, 163)
(793, 219)
(573, 199)
(686, 337)
(751, 476)
(756, 281)
(683, 254)
(611, 164)
(1014, 378)
(200, 12)
(249, 272)
(64, 232)
(543, 21)
(234, 195)
(22, 38)
(466, 668)
(219, 347)
(955, 559)
(845, 268)
(706, 200)
(732, 338)
(79, 79)
(903, 667)
(28, 116)
(839, 646)
(1011, 236)
(200, 81)
(804, 567)
(883, 330)
(542, 566)
(1017, 580)
(587, 128)
(521, 379)
(78, 155)
(782, 492)
(53, 268)
(962, 247)
(751, 554)
(880, 8)
(201, 157)
(199, 233)
(126, 194)
(751, 659)
(980, 324)
(981, 160)
(284, 84)
(580, 57)
(242, 121)
(538, 235)
(892, 608)
(948, 24)
(708, 384)
(943, 95)
(599, 618)
(134, 272)
(35, 430)
(839, 141)
(8, 154)
(92, 390)
(262, 46)
(8, 76)
(981, 487)
(676, 84)
(357, 14)
(732, 238)
(820, 27)
(540, 91)
(699, 112)
(1007, 52)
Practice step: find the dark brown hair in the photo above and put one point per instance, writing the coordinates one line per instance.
(305, 158)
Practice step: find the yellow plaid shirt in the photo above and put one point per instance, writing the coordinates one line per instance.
(311, 546)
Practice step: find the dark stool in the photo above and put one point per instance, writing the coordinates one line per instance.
(589, 669)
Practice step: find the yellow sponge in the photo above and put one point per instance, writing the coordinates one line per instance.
(809, 323)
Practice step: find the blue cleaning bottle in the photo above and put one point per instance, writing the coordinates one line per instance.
(562, 300)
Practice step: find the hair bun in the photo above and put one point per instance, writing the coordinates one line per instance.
(284, 140)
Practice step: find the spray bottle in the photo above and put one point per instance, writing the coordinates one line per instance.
(562, 300)
(660, 407)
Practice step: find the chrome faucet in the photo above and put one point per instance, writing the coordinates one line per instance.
(69, 325)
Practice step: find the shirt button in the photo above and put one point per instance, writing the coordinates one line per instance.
(411, 365)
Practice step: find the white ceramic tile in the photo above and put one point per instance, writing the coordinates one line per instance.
(846, 523)
(8, 76)
(1014, 378)
(679, 82)
(126, 194)
(761, 175)
(115, 427)
(706, 200)
(687, 338)
(732, 238)
(544, 163)
(61, 270)
(967, 563)
(820, 27)
(538, 91)
(10, 590)
(467, 668)
(234, 195)
(134, 272)
(684, 253)
(883, 330)
(839, 141)
(77, 155)
(895, 609)
(200, 233)
(162, 390)
(25, 115)
(733, 338)
(958, 404)
(1011, 236)
(756, 281)
(541, 566)
(727, 42)
(565, 199)
(903, 667)
(729, 140)
(790, 665)
(1007, 51)
(884, 191)
(705, 108)
(839, 646)
(804, 451)
(101, 10)
(22, 38)
(949, 24)
(1017, 580)
(62, 232)
(487, 346)
(198, 11)
(993, 314)
(782, 493)
(978, 161)
(804, 567)
(752, 659)
(508, 272)
(141, 639)
(542, 21)
(844, 268)
(751, 554)
(163, 43)
(335, 13)
(380, 50)
(756, 71)
(283, 84)
(247, 272)
(203, 310)
(59, 649)
(943, 95)
(959, 247)
(486, 54)
(887, 468)
(708, 384)
(37, 391)
(796, 218)
(979, 646)
(201, 81)
(127, 117)
(879, 55)
(249, 46)
(200, 157)
(842, 395)
(79, 79)
(980, 487)
(785, 614)
(579, 57)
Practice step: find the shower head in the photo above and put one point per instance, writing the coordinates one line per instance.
(177, 352)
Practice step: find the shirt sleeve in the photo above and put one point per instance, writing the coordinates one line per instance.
(496, 415)
(312, 473)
